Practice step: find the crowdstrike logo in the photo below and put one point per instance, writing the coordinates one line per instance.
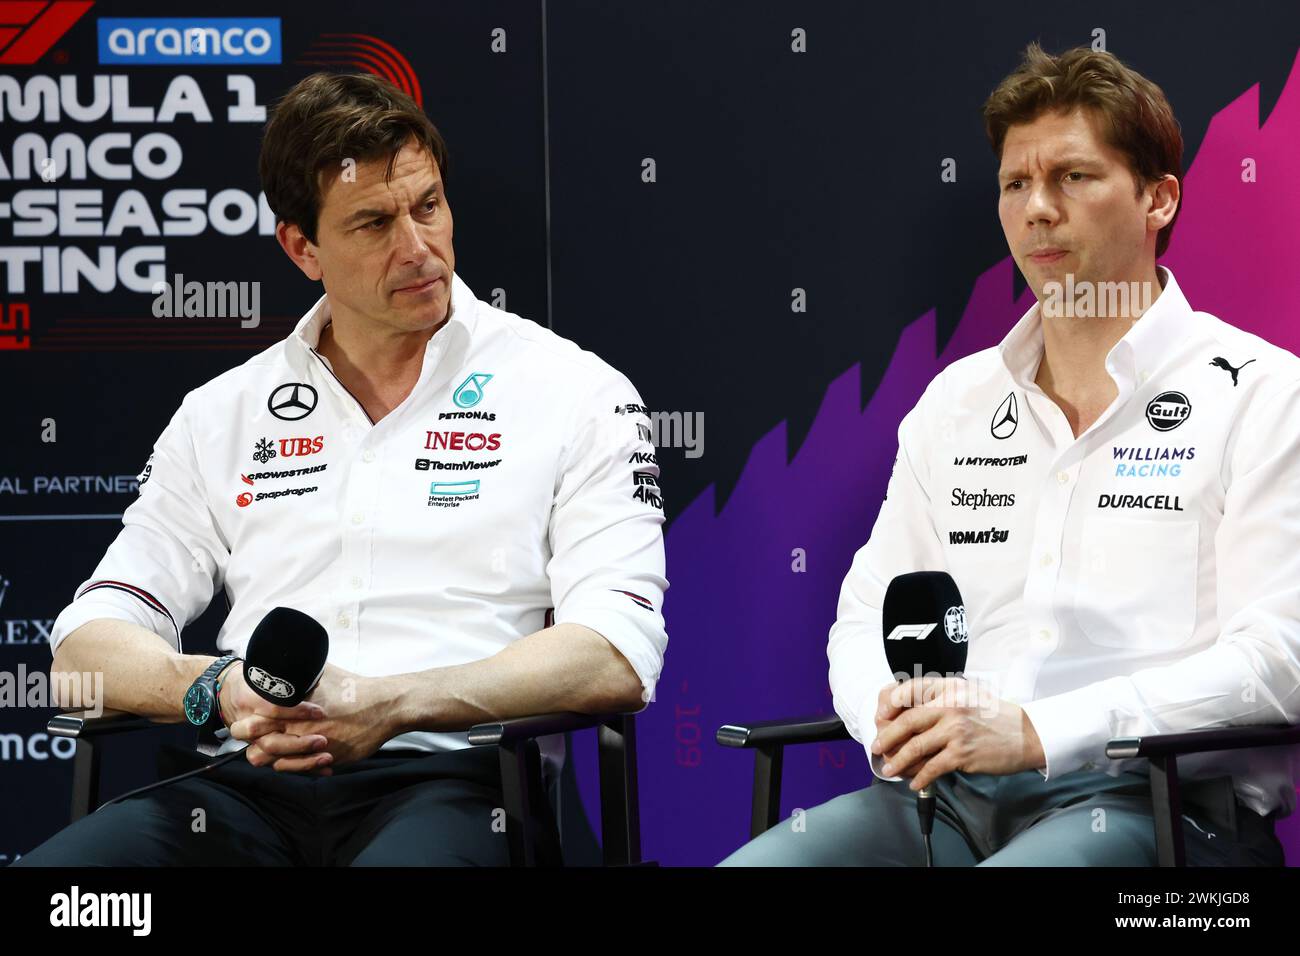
(1006, 418)
(191, 41)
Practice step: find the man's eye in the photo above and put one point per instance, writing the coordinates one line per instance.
(1014, 184)
(430, 205)
(1080, 175)
(371, 226)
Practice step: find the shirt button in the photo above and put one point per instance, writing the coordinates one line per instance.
(358, 518)
(1046, 560)
(344, 620)
(1044, 635)
(1063, 477)
(356, 582)
(368, 455)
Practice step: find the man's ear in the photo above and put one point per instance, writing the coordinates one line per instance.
(1164, 202)
(299, 249)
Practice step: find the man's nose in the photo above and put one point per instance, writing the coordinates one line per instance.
(1041, 206)
(410, 244)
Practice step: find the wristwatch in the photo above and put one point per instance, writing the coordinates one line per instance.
(201, 704)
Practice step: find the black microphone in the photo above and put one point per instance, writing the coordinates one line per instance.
(286, 656)
(924, 625)
(283, 663)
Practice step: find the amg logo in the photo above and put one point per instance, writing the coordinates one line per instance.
(991, 536)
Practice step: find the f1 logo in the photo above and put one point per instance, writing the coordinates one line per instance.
(25, 36)
(917, 632)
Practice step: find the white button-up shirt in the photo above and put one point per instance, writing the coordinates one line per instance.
(1143, 578)
(516, 477)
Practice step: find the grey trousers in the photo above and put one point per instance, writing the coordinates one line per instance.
(1084, 818)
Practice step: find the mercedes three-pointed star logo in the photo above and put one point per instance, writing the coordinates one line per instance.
(292, 401)
(1006, 418)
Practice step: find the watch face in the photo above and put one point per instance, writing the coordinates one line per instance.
(198, 705)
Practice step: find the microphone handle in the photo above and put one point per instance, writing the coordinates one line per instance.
(925, 814)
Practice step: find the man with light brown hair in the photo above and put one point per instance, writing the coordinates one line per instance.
(1113, 488)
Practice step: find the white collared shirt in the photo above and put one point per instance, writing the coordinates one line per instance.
(516, 477)
(1143, 578)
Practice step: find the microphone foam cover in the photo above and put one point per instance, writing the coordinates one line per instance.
(286, 656)
(924, 624)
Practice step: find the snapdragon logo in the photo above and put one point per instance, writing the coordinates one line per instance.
(134, 910)
(189, 41)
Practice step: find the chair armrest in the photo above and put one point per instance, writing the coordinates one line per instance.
(82, 724)
(516, 729)
(797, 730)
(1203, 741)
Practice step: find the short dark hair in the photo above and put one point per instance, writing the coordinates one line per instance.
(1135, 114)
(328, 118)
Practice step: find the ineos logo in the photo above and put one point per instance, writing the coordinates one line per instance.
(292, 401)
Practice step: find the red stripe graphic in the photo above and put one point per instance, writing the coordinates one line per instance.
(367, 53)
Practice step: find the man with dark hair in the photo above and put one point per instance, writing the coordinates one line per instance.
(468, 504)
(1118, 512)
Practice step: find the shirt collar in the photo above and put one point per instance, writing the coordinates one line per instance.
(1132, 359)
(306, 334)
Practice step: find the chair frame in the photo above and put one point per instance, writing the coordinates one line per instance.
(768, 739)
(521, 778)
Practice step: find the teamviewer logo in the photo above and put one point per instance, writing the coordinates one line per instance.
(28, 30)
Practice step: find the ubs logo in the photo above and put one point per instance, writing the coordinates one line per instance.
(1168, 410)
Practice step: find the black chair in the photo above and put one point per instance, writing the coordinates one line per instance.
(768, 739)
(525, 796)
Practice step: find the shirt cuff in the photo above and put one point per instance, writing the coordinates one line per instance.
(646, 659)
(101, 604)
(867, 728)
(1073, 730)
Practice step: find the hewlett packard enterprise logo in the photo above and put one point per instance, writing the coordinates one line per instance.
(192, 41)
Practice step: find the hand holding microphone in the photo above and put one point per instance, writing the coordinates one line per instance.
(283, 664)
(286, 662)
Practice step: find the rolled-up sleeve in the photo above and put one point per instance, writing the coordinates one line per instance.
(606, 528)
(903, 539)
(166, 563)
(1251, 674)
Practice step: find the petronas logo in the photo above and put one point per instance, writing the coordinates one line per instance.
(470, 392)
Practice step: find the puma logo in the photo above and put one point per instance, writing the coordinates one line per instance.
(1221, 362)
